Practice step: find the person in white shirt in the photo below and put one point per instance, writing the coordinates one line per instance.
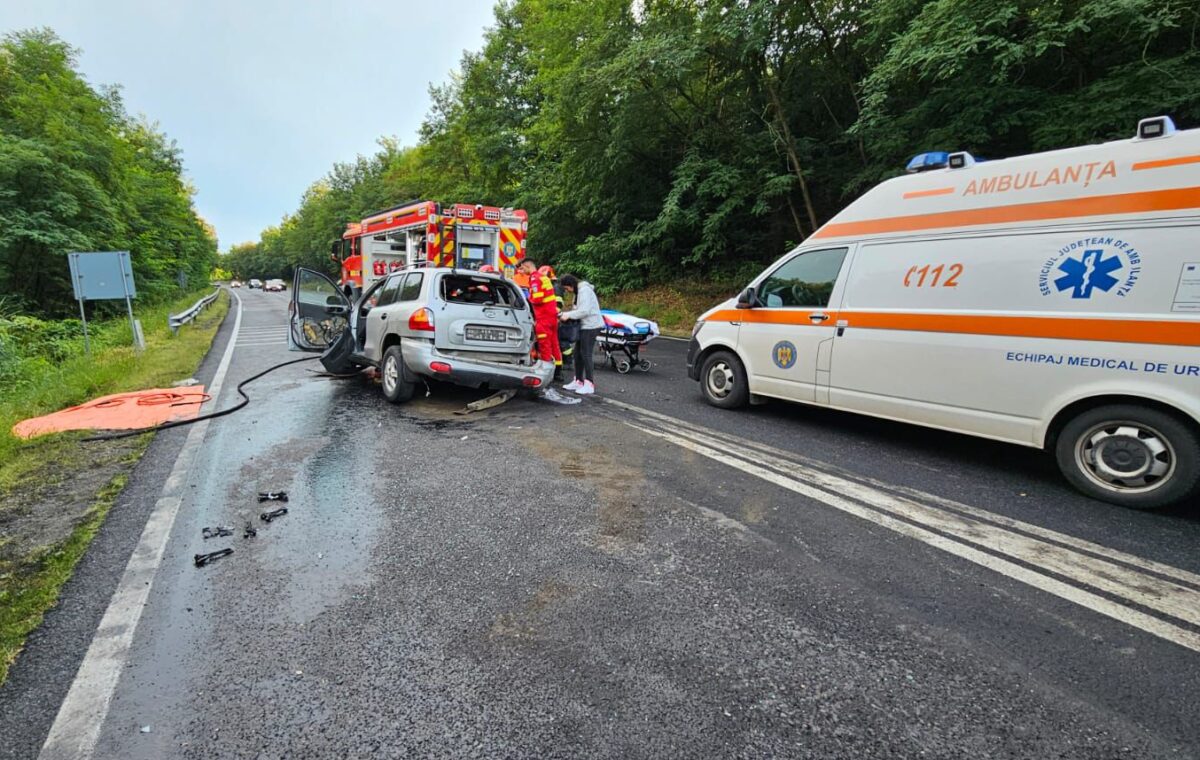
(587, 311)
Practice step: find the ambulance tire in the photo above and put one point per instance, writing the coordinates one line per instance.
(723, 381)
(397, 388)
(1144, 431)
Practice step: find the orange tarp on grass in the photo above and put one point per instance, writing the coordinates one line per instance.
(120, 411)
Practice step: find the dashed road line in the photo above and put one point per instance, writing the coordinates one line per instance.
(77, 726)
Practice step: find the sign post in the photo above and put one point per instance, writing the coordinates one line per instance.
(103, 276)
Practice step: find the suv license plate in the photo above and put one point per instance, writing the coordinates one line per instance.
(489, 334)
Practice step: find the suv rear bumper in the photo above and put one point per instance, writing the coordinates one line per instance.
(418, 355)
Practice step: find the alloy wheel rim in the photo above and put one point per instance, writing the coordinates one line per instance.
(1125, 456)
(720, 380)
(391, 374)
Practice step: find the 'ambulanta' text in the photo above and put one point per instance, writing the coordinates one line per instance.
(1084, 174)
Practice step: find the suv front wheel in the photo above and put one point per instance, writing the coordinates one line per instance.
(1130, 455)
(397, 388)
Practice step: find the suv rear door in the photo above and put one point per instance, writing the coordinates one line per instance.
(480, 313)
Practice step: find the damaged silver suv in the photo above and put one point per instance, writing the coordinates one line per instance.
(454, 325)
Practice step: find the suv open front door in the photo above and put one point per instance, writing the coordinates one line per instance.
(320, 320)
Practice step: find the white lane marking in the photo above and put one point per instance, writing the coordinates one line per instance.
(672, 337)
(1129, 584)
(1148, 623)
(77, 727)
(795, 460)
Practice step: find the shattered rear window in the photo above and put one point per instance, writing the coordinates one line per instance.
(485, 291)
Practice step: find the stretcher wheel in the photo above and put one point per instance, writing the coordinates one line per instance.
(644, 365)
(623, 366)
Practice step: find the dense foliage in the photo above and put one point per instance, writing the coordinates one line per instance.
(77, 173)
(660, 138)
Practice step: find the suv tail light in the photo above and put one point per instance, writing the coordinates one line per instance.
(440, 367)
(531, 382)
(422, 320)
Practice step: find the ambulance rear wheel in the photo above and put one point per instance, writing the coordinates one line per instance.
(723, 381)
(1130, 455)
(397, 388)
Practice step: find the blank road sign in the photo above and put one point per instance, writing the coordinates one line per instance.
(102, 275)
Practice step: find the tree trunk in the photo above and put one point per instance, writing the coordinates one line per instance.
(790, 146)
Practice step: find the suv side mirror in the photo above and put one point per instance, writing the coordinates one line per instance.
(748, 299)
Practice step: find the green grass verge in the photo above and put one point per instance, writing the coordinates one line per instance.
(31, 587)
(674, 307)
(31, 578)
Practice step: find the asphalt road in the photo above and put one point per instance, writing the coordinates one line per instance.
(640, 575)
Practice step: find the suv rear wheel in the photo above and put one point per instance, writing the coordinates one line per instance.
(1130, 455)
(723, 380)
(397, 388)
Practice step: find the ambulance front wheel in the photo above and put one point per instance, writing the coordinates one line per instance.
(1130, 455)
(723, 381)
(396, 387)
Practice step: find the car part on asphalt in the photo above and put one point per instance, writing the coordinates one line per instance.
(245, 400)
(554, 397)
(269, 516)
(216, 532)
(491, 402)
(249, 531)
(203, 559)
(272, 496)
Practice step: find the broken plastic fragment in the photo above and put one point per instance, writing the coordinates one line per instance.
(203, 559)
(269, 516)
(554, 397)
(272, 496)
(216, 532)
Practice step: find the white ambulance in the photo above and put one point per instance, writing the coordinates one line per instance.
(1049, 300)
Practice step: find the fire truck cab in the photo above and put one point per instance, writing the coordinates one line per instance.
(426, 233)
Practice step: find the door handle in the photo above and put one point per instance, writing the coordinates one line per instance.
(383, 316)
(818, 317)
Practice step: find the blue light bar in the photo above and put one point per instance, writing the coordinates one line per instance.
(924, 162)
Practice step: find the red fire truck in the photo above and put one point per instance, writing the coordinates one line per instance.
(426, 232)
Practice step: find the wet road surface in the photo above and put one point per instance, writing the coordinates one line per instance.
(637, 576)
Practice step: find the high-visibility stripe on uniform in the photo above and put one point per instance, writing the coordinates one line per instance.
(1175, 199)
(1145, 331)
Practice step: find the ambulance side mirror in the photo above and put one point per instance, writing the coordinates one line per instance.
(748, 299)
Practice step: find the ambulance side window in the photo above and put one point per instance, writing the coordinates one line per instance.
(804, 281)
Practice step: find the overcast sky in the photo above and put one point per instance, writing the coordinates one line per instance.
(263, 96)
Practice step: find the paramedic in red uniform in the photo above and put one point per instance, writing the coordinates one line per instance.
(545, 313)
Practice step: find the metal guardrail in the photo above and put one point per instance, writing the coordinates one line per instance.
(175, 321)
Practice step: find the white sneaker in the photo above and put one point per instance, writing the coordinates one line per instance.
(587, 389)
(572, 386)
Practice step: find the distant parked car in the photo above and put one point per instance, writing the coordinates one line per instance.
(256, 284)
(275, 286)
(235, 283)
